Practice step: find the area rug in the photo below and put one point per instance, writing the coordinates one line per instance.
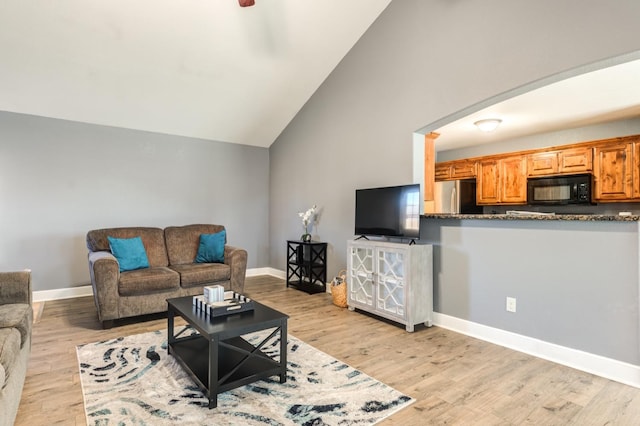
(132, 380)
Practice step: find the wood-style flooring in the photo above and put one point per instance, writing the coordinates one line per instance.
(455, 379)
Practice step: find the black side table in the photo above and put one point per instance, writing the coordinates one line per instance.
(307, 266)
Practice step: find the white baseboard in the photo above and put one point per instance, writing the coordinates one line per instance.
(62, 293)
(608, 368)
(266, 271)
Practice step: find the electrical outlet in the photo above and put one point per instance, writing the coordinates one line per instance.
(511, 304)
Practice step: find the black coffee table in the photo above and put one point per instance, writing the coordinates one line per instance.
(218, 358)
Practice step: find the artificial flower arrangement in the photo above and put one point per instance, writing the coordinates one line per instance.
(308, 218)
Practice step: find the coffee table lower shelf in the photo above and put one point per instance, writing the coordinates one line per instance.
(238, 363)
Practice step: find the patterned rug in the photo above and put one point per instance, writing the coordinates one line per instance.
(131, 380)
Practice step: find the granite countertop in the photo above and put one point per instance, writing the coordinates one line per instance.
(582, 217)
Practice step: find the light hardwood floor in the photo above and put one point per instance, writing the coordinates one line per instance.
(455, 379)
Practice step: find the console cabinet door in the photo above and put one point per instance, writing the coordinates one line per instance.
(361, 273)
(613, 174)
(391, 281)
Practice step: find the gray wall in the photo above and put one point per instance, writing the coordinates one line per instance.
(59, 179)
(422, 60)
(576, 283)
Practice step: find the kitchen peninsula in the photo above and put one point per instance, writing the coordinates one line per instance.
(579, 217)
(574, 277)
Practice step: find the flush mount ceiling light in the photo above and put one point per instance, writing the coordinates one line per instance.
(488, 125)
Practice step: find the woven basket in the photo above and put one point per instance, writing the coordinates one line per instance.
(339, 289)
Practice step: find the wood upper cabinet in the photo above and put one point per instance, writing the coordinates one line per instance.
(513, 180)
(463, 169)
(566, 161)
(443, 171)
(454, 170)
(575, 160)
(487, 185)
(636, 169)
(502, 180)
(542, 163)
(614, 171)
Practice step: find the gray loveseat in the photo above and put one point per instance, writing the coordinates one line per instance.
(16, 318)
(172, 270)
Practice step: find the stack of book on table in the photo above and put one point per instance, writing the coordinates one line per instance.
(221, 303)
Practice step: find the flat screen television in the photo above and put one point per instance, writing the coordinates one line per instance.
(392, 211)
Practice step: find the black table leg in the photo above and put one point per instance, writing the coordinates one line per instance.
(213, 373)
(283, 351)
(170, 337)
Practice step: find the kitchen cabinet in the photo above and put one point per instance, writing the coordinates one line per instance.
(575, 161)
(565, 161)
(542, 164)
(455, 170)
(391, 280)
(502, 180)
(443, 171)
(636, 169)
(614, 171)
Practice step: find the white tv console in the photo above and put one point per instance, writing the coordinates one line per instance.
(391, 280)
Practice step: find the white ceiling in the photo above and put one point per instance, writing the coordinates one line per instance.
(199, 68)
(608, 94)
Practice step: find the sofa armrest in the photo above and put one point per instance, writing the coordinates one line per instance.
(105, 274)
(236, 258)
(15, 287)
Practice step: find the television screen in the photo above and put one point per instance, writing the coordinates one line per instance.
(392, 211)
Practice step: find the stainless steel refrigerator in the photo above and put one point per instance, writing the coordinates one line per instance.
(456, 197)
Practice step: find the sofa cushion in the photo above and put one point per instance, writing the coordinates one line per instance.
(202, 273)
(183, 241)
(9, 349)
(144, 281)
(18, 316)
(211, 248)
(152, 238)
(129, 252)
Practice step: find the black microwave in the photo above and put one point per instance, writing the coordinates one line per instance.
(573, 189)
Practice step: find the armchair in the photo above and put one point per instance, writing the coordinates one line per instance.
(16, 317)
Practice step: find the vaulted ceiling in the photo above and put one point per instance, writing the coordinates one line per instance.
(198, 68)
(604, 95)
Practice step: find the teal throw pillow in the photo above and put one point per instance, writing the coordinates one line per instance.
(130, 253)
(211, 248)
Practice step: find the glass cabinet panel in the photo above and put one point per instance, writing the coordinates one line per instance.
(390, 295)
(361, 285)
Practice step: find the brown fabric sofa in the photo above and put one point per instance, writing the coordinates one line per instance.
(16, 318)
(172, 271)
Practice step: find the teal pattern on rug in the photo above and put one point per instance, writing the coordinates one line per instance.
(133, 381)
